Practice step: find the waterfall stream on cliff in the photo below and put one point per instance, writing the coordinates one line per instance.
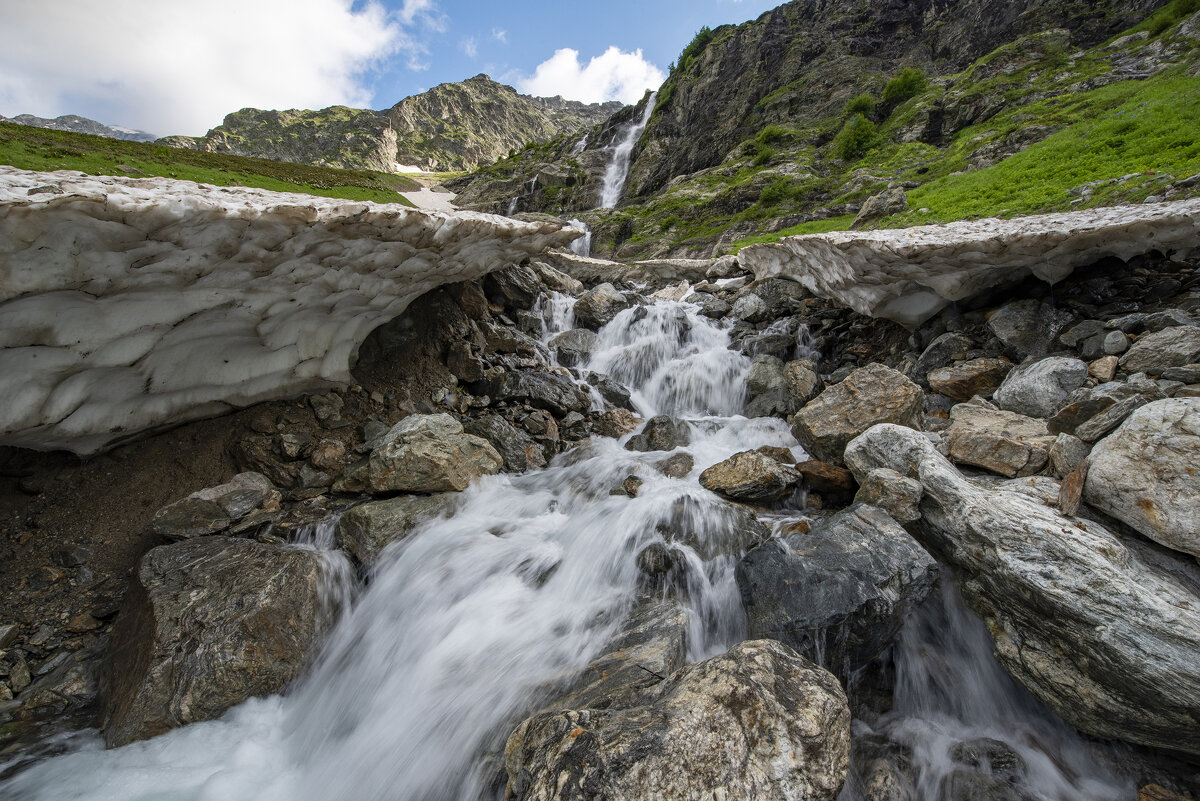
(618, 169)
(472, 621)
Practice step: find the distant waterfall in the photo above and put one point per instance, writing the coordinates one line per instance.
(618, 168)
(580, 146)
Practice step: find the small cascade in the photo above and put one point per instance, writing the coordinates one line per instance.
(622, 152)
(512, 207)
(580, 146)
(557, 313)
(967, 729)
(583, 245)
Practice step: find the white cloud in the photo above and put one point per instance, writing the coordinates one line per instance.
(500, 35)
(470, 47)
(613, 75)
(170, 67)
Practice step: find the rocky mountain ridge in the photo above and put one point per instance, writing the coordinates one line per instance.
(73, 122)
(450, 128)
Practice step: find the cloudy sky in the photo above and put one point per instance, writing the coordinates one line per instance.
(171, 67)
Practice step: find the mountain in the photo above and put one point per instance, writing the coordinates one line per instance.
(451, 128)
(791, 122)
(77, 124)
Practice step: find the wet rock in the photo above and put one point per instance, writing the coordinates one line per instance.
(649, 647)
(610, 390)
(750, 308)
(657, 560)
(368, 528)
(943, 351)
(1003, 442)
(781, 720)
(662, 433)
(677, 465)
(895, 494)
(868, 396)
(1091, 627)
(803, 383)
(750, 476)
(967, 379)
(430, 453)
(1156, 792)
(597, 307)
(767, 388)
(1145, 474)
(573, 347)
(713, 529)
(1170, 347)
(1028, 327)
(514, 287)
(214, 509)
(711, 306)
(519, 450)
(1040, 388)
(840, 592)
(550, 391)
(1066, 453)
(834, 484)
(207, 624)
(615, 423)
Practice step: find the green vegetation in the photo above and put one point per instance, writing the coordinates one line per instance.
(857, 136)
(905, 86)
(45, 149)
(863, 105)
(1167, 17)
(695, 48)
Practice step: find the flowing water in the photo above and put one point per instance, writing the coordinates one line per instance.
(470, 622)
(583, 245)
(618, 168)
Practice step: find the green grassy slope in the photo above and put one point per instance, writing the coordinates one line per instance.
(44, 149)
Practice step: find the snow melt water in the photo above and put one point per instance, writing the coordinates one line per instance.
(618, 169)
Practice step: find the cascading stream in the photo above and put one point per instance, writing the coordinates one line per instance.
(472, 620)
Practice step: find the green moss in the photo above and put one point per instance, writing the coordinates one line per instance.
(45, 149)
(816, 227)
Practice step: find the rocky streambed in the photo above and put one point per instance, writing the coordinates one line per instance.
(583, 531)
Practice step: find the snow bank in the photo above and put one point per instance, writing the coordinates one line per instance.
(127, 305)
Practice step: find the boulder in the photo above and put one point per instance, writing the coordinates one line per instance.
(750, 476)
(430, 453)
(368, 528)
(597, 307)
(886, 203)
(514, 287)
(899, 496)
(615, 423)
(1171, 347)
(661, 433)
(836, 485)
(555, 393)
(215, 509)
(1040, 388)
(839, 593)
(1028, 327)
(750, 308)
(782, 721)
(1103, 633)
(1101, 424)
(712, 527)
(207, 624)
(767, 387)
(1003, 442)
(868, 396)
(1145, 474)
(677, 465)
(574, 347)
(1066, 453)
(803, 383)
(965, 380)
(943, 351)
(519, 450)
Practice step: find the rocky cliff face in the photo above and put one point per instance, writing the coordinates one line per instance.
(452, 127)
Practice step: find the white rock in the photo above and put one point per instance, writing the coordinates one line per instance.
(127, 305)
(910, 274)
(1040, 388)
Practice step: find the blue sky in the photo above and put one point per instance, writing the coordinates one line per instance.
(171, 67)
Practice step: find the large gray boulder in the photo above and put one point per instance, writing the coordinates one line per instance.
(215, 509)
(870, 395)
(555, 393)
(1028, 327)
(597, 307)
(839, 593)
(573, 347)
(368, 528)
(207, 624)
(965, 380)
(756, 722)
(519, 450)
(1147, 473)
(1003, 442)
(1098, 631)
(662, 433)
(430, 453)
(1040, 388)
(1171, 347)
(750, 476)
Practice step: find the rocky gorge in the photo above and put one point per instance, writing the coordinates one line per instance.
(568, 528)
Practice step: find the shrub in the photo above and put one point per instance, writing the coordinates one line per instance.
(695, 48)
(779, 190)
(909, 83)
(763, 154)
(863, 104)
(771, 134)
(857, 136)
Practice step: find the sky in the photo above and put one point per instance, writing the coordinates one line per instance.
(170, 67)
